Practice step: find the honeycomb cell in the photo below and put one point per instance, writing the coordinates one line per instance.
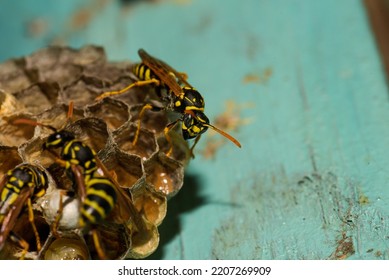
(91, 131)
(114, 112)
(145, 241)
(13, 78)
(38, 97)
(180, 152)
(8, 104)
(57, 118)
(58, 56)
(153, 121)
(9, 158)
(79, 92)
(32, 151)
(45, 58)
(109, 72)
(150, 204)
(164, 174)
(87, 56)
(12, 134)
(115, 240)
(146, 145)
(127, 168)
(69, 246)
(65, 75)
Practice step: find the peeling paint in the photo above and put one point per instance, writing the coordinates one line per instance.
(284, 218)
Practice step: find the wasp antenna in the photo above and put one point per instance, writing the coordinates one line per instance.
(70, 110)
(225, 134)
(26, 121)
(33, 123)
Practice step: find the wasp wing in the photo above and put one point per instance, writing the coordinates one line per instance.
(2, 183)
(167, 74)
(79, 180)
(124, 210)
(13, 213)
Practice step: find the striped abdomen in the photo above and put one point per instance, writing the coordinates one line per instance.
(143, 72)
(99, 200)
(23, 176)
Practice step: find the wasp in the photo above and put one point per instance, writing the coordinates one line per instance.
(98, 197)
(20, 186)
(176, 94)
(73, 152)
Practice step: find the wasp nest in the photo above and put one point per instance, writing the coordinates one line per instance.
(40, 88)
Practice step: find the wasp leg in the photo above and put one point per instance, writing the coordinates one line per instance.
(183, 75)
(168, 138)
(193, 146)
(32, 222)
(55, 224)
(23, 243)
(135, 84)
(61, 162)
(113, 175)
(57, 158)
(98, 246)
(141, 113)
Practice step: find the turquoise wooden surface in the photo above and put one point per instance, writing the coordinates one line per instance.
(312, 179)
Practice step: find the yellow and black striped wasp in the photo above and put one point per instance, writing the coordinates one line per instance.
(20, 186)
(97, 190)
(176, 94)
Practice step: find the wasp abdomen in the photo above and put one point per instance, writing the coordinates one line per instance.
(19, 178)
(143, 72)
(99, 201)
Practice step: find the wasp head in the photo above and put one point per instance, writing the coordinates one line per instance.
(194, 124)
(58, 139)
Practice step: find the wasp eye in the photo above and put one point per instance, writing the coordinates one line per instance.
(201, 117)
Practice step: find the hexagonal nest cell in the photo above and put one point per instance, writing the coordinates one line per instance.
(35, 95)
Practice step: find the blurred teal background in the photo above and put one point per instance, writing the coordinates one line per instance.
(302, 87)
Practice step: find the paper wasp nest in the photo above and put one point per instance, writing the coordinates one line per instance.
(39, 87)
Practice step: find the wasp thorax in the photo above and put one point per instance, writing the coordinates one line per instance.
(191, 100)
